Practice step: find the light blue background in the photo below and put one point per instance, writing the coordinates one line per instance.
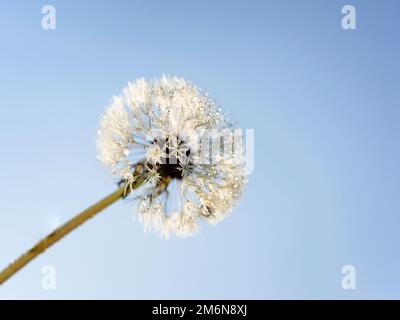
(324, 103)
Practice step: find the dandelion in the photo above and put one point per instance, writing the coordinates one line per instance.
(162, 141)
(161, 122)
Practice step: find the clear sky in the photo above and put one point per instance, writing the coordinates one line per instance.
(324, 104)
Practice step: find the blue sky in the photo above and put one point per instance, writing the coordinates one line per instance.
(323, 102)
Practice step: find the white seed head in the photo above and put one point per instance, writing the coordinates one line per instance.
(159, 132)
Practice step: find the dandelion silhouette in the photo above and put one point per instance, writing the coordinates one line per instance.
(152, 137)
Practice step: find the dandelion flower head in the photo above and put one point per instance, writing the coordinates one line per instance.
(152, 135)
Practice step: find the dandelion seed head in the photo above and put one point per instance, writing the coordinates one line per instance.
(151, 132)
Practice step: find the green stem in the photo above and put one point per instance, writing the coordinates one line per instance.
(63, 230)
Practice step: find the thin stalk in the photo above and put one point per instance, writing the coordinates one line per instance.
(63, 230)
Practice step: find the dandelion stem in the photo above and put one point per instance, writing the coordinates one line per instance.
(63, 230)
